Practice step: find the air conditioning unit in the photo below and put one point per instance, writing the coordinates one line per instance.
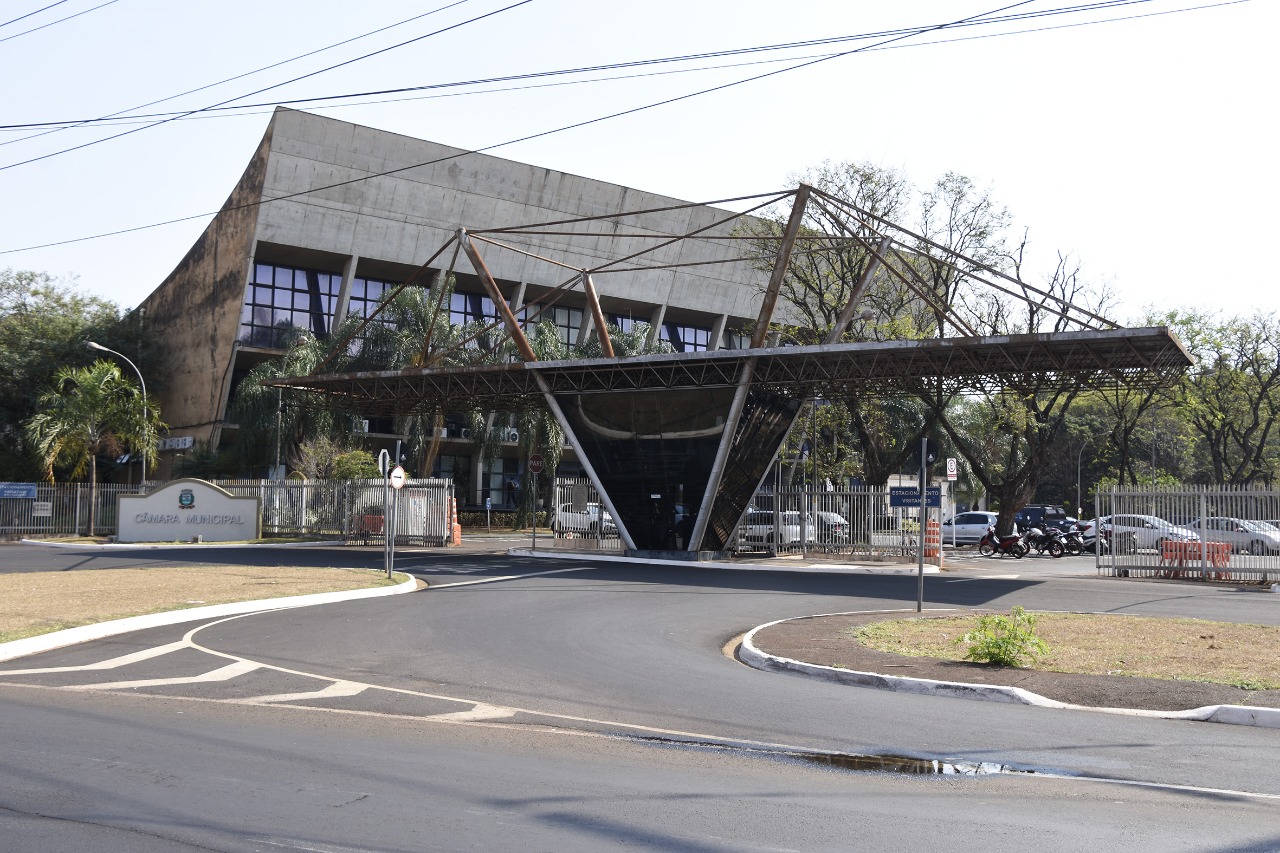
(512, 435)
(364, 426)
(442, 432)
(466, 433)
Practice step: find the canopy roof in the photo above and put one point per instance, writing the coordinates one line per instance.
(828, 371)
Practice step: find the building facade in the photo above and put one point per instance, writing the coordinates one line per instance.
(328, 216)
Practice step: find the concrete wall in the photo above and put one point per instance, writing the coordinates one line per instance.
(195, 312)
(405, 217)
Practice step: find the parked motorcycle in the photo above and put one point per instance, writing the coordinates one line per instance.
(1010, 545)
(1047, 541)
(1073, 541)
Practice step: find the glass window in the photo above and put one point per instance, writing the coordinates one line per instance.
(283, 298)
(686, 338)
(624, 322)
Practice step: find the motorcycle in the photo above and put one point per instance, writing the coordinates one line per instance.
(1073, 542)
(1046, 541)
(1011, 545)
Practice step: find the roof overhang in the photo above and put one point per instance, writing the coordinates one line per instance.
(830, 371)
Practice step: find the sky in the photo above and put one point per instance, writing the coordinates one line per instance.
(1136, 136)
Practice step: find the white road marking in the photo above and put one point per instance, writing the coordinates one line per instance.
(335, 690)
(509, 577)
(480, 712)
(225, 673)
(111, 663)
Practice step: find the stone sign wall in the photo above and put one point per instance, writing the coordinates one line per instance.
(181, 510)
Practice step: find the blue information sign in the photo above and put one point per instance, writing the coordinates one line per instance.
(910, 496)
(18, 490)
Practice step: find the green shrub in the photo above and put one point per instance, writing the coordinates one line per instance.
(1004, 640)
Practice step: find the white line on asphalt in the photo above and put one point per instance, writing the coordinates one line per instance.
(336, 690)
(111, 663)
(509, 577)
(225, 673)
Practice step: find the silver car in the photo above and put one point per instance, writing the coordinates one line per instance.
(1242, 534)
(1145, 531)
(967, 528)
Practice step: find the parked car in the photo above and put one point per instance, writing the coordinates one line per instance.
(967, 528)
(1143, 531)
(1043, 516)
(585, 521)
(833, 528)
(1242, 534)
(757, 529)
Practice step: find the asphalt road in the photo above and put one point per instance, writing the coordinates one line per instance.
(520, 704)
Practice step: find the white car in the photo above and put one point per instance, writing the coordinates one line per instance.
(1242, 534)
(757, 528)
(967, 528)
(1144, 531)
(586, 521)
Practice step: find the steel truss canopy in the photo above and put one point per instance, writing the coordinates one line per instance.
(699, 430)
(829, 371)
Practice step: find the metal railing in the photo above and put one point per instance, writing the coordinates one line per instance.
(340, 509)
(1210, 533)
(856, 523)
(853, 524)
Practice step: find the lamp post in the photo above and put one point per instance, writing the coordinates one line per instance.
(1079, 457)
(143, 383)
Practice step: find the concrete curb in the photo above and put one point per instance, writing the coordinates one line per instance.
(99, 630)
(160, 546)
(750, 654)
(823, 568)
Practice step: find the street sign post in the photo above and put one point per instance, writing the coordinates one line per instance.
(535, 468)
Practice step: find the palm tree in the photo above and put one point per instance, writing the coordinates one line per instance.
(88, 411)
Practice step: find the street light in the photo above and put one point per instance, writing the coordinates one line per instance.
(143, 383)
(1079, 456)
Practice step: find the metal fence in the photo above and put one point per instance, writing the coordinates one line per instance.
(855, 524)
(351, 510)
(1214, 533)
(578, 519)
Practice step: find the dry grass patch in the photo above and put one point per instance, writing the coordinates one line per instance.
(39, 602)
(1183, 649)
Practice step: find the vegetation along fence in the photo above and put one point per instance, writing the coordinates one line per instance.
(1214, 533)
(341, 509)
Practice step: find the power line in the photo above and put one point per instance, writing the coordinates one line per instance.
(1004, 19)
(266, 107)
(51, 23)
(268, 88)
(525, 138)
(83, 122)
(882, 45)
(29, 14)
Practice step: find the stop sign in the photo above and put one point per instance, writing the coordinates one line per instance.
(535, 463)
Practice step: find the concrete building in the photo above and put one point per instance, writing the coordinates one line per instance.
(329, 215)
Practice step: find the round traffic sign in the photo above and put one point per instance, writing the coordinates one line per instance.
(535, 463)
(397, 477)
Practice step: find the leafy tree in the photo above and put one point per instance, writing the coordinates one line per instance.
(90, 411)
(1231, 400)
(43, 325)
(322, 458)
